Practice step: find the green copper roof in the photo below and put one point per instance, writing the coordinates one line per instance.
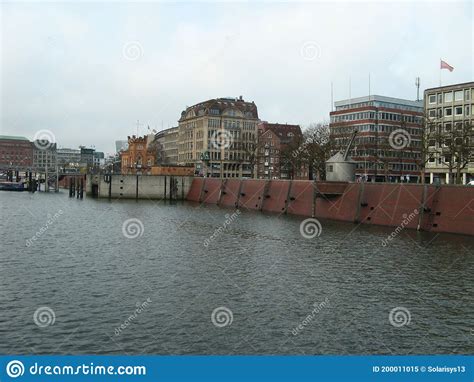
(13, 138)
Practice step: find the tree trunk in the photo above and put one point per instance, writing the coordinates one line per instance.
(422, 175)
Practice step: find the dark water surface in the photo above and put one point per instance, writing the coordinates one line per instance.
(96, 291)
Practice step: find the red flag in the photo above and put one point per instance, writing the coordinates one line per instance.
(445, 65)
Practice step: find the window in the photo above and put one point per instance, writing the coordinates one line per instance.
(440, 98)
(467, 95)
(448, 97)
(432, 113)
(448, 112)
(467, 111)
(458, 95)
(447, 127)
(458, 110)
(330, 168)
(432, 99)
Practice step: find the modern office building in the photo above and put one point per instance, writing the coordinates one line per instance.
(68, 157)
(449, 129)
(388, 143)
(167, 146)
(121, 146)
(274, 159)
(99, 159)
(218, 137)
(87, 156)
(15, 152)
(44, 155)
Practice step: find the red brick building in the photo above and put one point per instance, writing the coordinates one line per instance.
(274, 156)
(140, 156)
(15, 152)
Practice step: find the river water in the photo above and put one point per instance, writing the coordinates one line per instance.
(80, 277)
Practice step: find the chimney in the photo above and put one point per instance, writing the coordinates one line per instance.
(240, 98)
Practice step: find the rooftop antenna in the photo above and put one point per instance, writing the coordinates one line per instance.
(417, 84)
(369, 86)
(138, 125)
(350, 96)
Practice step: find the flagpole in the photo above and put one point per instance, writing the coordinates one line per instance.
(440, 72)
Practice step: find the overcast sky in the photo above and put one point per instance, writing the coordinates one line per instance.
(88, 71)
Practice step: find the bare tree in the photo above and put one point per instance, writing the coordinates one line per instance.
(457, 142)
(429, 139)
(314, 149)
(291, 160)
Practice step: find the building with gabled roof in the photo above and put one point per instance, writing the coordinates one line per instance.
(218, 137)
(275, 160)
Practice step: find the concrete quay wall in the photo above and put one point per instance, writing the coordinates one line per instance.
(140, 186)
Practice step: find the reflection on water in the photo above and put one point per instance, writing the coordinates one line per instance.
(248, 291)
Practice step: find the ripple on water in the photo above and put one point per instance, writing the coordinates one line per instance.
(338, 288)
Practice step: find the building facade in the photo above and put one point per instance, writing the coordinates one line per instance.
(449, 112)
(15, 152)
(388, 143)
(218, 137)
(87, 156)
(168, 146)
(140, 156)
(99, 159)
(44, 155)
(276, 145)
(68, 158)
